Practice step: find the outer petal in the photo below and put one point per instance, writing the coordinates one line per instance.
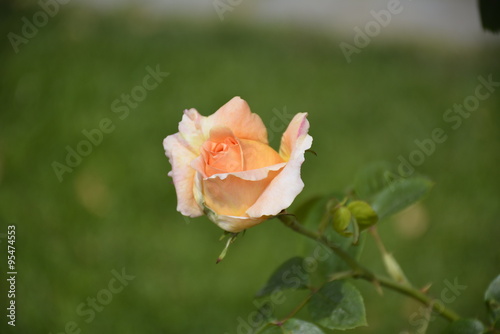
(287, 185)
(296, 131)
(234, 224)
(180, 156)
(236, 115)
(233, 196)
(190, 130)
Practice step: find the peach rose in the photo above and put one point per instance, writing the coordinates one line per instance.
(223, 166)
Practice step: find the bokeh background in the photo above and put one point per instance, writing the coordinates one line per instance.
(116, 209)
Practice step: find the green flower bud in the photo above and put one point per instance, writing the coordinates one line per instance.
(363, 213)
(341, 217)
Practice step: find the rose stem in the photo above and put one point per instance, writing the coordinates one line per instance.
(361, 272)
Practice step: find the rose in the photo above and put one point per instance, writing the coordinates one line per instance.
(223, 166)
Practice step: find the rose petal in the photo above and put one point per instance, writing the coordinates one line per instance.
(258, 155)
(219, 133)
(298, 127)
(234, 224)
(237, 116)
(180, 157)
(249, 175)
(287, 185)
(259, 160)
(232, 196)
(190, 130)
(198, 191)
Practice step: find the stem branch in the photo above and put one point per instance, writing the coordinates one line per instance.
(361, 272)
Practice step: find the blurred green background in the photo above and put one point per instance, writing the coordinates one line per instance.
(117, 208)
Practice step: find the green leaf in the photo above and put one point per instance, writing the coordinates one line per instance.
(294, 326)
(372, 179)
(305, 208)
(290, 275)
(400, 194)
(465, 326)
(492, 299)
(338, 305)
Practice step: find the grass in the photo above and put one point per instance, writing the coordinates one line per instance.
(117, 208)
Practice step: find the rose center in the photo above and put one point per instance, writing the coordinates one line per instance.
(222, 153)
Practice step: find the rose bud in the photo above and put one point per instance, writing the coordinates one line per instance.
(223, 166)
(363, 213)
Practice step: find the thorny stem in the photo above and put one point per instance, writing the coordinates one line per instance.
(402, 277)
(360, 272)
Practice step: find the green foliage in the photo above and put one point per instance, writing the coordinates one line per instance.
(400, 194)
(372, 179)
(293, 326)
(465, 326)
(338, 305)
(288, 276)
(492, 299)
(304, 209)
(389, 193)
